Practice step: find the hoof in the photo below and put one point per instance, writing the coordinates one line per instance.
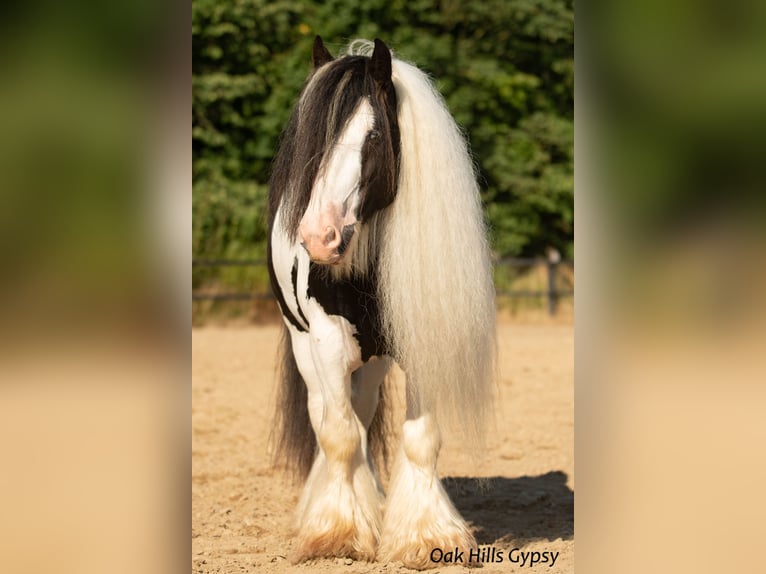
(416, 552)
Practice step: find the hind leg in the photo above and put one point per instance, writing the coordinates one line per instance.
(419, 514)
(365, 388)
(365, 394)
(339, 512)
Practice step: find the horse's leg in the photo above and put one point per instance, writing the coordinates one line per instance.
(365, 389)
(419, 514)
(365, 395)
(339, 512)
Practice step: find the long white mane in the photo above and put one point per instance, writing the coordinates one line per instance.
(435, 273)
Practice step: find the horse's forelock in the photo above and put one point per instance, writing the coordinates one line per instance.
(327, 102)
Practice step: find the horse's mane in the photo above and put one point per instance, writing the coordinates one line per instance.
(434, 269)
(326, 103)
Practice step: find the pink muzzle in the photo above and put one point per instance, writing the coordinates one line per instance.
(324, 237)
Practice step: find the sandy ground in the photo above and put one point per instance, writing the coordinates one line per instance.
(242, 508)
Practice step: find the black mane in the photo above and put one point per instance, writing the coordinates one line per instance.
(329, 98)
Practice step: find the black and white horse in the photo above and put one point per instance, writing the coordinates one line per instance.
(377, 253)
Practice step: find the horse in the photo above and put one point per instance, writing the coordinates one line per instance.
(377, 254)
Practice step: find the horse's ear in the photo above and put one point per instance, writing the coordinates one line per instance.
(320, 54)
(380, 64)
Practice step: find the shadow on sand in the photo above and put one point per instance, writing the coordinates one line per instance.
(517, 510)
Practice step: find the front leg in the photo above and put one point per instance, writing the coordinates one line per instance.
(339, 512)
(420, 515)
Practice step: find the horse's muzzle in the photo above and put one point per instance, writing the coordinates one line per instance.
(326, 238)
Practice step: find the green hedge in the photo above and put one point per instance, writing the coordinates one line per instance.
(506, 69)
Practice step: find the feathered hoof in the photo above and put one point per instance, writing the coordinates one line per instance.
(337, 517)
(341, 540)
(420, 553)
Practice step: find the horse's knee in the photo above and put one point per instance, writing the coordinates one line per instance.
(421, 440)
(339, 436)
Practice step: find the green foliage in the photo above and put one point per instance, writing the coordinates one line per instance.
(506, 69)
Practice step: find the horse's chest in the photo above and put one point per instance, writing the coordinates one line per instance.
(305, 291)
(356, 301)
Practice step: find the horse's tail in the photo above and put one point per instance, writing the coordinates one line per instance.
(294, 444)
(292, 437)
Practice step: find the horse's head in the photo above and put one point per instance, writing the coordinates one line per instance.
(348, 110)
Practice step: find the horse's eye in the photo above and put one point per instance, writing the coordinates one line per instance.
(373, 135)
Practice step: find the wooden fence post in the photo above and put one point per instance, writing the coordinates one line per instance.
(554, 258)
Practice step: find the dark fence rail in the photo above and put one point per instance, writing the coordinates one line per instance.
(552, 293)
